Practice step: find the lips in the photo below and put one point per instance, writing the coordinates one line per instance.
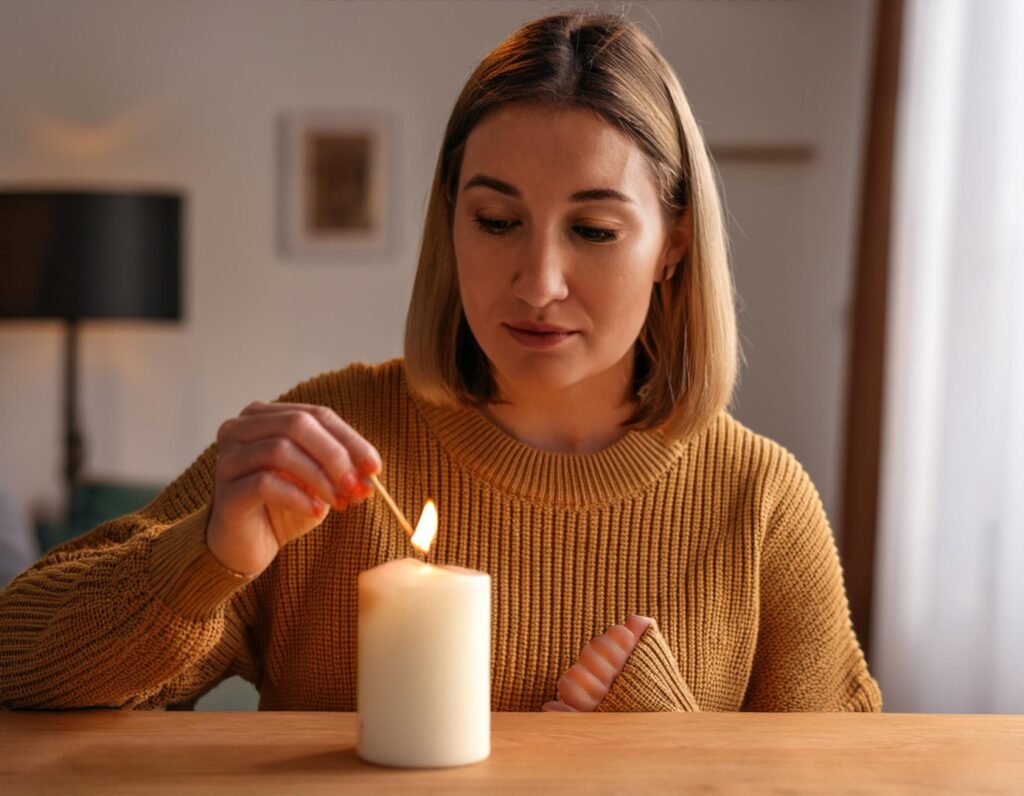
(539, 328)
(538, 335)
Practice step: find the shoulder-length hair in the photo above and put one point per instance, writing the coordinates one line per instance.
(686, 353)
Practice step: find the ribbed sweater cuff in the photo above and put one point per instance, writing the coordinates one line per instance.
(650, 681)
(185, 575)
(866, 699)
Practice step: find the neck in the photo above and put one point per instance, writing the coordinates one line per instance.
(581, 418)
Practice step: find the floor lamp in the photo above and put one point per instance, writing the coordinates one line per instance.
(76, 255)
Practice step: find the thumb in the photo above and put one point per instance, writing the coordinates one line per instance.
(639, 625)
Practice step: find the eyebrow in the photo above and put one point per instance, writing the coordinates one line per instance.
(590, 195)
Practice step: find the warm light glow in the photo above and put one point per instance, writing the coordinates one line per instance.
(91, 140)
(426, 528)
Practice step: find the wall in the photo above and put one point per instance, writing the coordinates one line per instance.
(187, 94)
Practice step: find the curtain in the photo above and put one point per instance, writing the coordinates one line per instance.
(949, 606)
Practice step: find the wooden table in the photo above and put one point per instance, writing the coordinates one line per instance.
(534, 753)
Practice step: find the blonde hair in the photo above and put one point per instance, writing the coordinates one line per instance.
(686, 354)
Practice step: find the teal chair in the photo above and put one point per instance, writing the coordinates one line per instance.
(94, 503)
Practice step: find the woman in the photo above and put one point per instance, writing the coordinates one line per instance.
(570, 354)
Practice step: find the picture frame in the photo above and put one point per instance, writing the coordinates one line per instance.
(334, 184)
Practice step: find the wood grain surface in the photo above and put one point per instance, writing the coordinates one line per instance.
(538, 753)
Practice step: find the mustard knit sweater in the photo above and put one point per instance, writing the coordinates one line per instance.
(721, 539)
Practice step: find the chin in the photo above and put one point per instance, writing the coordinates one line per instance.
(540, 373)
(542, 381)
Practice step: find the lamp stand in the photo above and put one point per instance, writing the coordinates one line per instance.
(73, 446)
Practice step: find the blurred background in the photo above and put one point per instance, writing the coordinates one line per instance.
(866, 152)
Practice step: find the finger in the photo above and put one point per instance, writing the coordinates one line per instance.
(365, 457)
(639, 624)
(587, 681)
(599, 666)
(264, 488)
(622, 636)
(284, 458)
(574, 694)
(610, 651)
(340, 503)
(557, 706)
(305, 430)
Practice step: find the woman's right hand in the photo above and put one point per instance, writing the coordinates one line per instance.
(280, 466)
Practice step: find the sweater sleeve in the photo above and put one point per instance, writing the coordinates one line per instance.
(807, 657)
(137, 613)
(650, 681)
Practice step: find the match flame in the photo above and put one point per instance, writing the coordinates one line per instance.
(426, 528)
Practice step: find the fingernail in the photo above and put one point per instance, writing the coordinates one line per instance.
(349, 483)
(318, 506)
(368, 467)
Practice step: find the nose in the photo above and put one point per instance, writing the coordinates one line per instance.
(540, 278)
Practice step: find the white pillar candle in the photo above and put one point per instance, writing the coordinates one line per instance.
(424, 677)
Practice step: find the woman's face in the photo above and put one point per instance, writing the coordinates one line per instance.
(559, 237)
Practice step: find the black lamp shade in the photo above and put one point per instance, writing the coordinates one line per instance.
(90, 254)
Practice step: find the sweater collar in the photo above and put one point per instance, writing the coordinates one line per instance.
(630, 465)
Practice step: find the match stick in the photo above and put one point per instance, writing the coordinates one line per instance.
(392, 505)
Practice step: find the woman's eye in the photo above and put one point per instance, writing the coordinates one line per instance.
(596, 235)
(499, 226)
(493, 226)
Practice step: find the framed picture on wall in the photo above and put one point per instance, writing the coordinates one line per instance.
(335, 177)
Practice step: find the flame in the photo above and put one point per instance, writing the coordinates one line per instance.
(426, 528)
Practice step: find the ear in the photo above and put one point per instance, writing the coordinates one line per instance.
(680, 234)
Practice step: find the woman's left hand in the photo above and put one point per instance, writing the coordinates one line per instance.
(587, 681)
